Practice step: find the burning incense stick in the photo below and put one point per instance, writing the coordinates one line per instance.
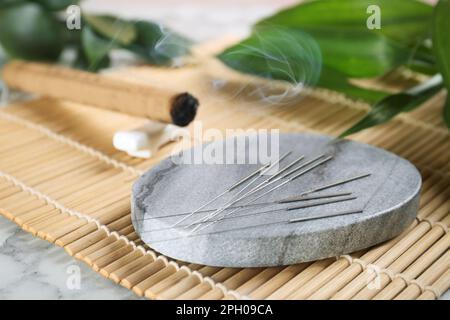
(101, 91)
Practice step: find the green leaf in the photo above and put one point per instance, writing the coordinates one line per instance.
(353, 54)
(277, 54)
(421, 66)
(80, 61)
(441, 47)
(119, 30)
(147, 39)
(348, 45)
(359, 54)
(95, 49)
(157, 44)
(9, 3)
(406, 21)
(27, 31)
(334, 80)
(290, 55)
(56, 5)
(392, 105)
(446, 111)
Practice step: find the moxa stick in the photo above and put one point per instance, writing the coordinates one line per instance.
(101, 91)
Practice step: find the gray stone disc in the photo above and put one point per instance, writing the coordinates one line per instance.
(389, 197)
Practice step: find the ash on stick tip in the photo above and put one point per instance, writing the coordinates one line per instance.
(184, 108)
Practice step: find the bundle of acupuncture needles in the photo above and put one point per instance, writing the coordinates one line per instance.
(246, 192)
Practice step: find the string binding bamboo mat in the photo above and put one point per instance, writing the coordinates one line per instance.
(62, 181)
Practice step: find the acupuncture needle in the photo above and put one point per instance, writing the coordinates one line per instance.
(262, 169)
(281, 174)
(299, 159)
(331, 185)
(263, 172)
(291, 221)
(272, 189)
(313, 197)
(281, 201)
(263, 184)
(293, 178)
(320, 203)
(268, 191)
(289, 199)
(322, 215)
(231, 202)
(309, 205)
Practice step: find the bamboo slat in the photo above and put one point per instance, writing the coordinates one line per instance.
(61, 179)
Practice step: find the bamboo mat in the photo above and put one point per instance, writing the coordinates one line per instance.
(61, 180)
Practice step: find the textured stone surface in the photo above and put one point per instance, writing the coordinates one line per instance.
(389, 197)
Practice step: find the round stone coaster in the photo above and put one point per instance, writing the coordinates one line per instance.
(262, 235)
